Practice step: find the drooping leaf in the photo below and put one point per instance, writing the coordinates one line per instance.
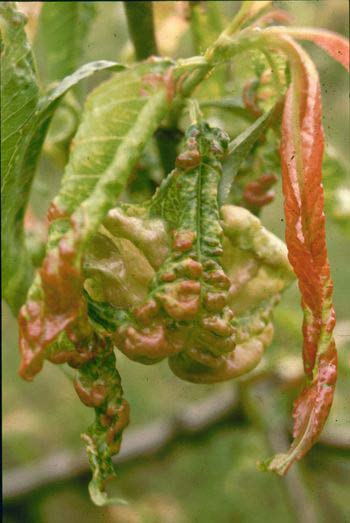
(301, 154)
(335, 45)
(49, 102)
(61, 37)
(276, 15)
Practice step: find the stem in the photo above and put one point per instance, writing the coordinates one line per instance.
(248, 10)
(141, 28)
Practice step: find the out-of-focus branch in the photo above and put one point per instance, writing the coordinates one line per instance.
(142, 442)
(141, 28)
(193, 420)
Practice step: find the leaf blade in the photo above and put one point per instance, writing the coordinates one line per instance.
(301, 155)
(337, 46)
(19, 97)
(62, 31)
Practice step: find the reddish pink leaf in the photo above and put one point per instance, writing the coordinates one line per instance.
(61, 309)
(335, 45)
(301, 156)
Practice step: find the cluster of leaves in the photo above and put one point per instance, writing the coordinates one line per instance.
(190, 274)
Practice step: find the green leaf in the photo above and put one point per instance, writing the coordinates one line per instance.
(61, 36)
(239, 149)
(26, 119)
(120, 116)
(19, 98)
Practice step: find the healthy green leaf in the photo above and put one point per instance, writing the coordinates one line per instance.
(61, 37)
(120, 116)
(19, 98)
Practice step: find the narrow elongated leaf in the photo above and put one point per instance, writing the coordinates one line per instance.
(239, 149)
(61, 37)
(248, 11)
(141, 28)
(301, 153)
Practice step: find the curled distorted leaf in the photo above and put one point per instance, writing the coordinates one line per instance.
(156, 284)
(335, 45)
(121, 116)
(108, 143)
(301, 155)
(201, 270)
(181, 276)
